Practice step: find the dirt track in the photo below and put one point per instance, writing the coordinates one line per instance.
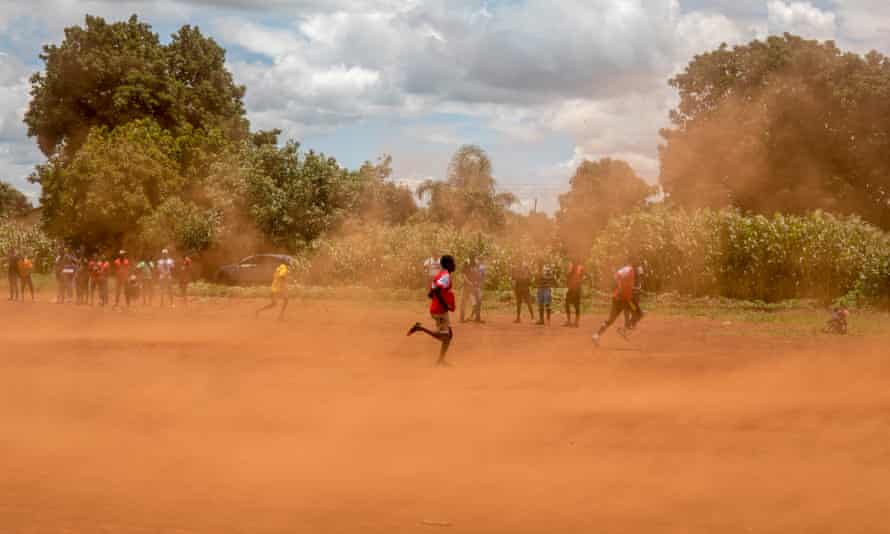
(207, 421)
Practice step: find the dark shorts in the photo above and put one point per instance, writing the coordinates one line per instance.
(545, 296)
(573, 296)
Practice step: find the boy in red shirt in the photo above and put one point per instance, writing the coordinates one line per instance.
(622, 297)
(122, 272)
(442, 302)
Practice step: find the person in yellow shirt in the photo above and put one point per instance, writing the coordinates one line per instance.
(25, 267)
(279, 291)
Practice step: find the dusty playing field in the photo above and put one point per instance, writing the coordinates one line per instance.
(207, 421)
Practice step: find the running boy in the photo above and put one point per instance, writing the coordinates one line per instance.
(279, 291)
(442, 302)
(622, 297)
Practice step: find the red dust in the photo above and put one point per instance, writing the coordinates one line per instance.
(207, 421)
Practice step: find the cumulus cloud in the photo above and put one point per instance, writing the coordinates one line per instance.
(593, 72)
(801, 18)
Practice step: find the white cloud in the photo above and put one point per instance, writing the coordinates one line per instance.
(801, 18)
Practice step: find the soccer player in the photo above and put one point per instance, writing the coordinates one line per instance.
(574, 278)
(622, 297)
(634, 313)
(522, 281)
(279, 291)
(442, 302)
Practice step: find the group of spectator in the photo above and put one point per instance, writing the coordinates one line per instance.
(87, 280)
(545, 280)
(472, 273)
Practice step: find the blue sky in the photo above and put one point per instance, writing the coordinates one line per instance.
(540, 85)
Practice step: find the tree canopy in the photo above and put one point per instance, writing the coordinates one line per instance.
(111, 74)
(13, 203)
(468, 197)
(600, 190)
(784, 124)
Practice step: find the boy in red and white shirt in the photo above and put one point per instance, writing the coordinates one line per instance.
(622, 297)
(442, 302)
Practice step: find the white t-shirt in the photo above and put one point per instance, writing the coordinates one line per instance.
(165, 268)
(432, 267)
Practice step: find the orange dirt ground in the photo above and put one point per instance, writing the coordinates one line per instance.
(208, 421)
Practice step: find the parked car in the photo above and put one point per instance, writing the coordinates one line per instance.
(256, 269)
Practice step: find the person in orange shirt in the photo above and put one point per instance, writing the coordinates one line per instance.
(622, 297)
(25, 267)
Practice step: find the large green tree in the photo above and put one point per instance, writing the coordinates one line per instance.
(117, 177)
(785, 124)
(600, 190)
(293, 197)
(106, 75)
(468, 197)
(380, 199)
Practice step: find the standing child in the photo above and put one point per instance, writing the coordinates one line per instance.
(82, 281)
(545, 292)
(122, 276)
(26, 266)
(13, 274)
(104, 273)
(184, 276)
(146, 269)
(574, 278)
(441, 303)
(165, 276)
(279, 291)
(522, 281)
(622, 297)
(94, 267)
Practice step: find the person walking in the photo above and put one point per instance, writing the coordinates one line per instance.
(12, 274)
(279, 291)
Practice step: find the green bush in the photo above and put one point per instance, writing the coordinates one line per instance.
(726, 253)
(29, 240)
